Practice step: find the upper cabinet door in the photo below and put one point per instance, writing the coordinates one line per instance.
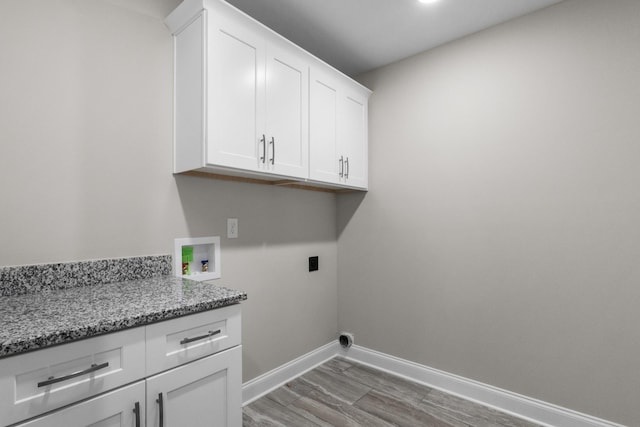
(323, 127)
(235, 116)
(287, 119)
(258, 99)
(354, 141)
(338, 143)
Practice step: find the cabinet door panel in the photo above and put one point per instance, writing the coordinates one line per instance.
(235, 94)
(353, 130)
(113, 409)
(206, 392)
(323, 142)
(286, 112)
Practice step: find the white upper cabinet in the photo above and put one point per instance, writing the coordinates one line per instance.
(245, 105)
(338, 130)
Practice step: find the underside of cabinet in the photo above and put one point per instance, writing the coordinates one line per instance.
(289, 183)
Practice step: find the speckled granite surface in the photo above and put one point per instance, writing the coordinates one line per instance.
(38, 320)
(26, 279)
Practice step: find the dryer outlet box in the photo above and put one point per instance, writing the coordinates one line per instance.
(313, 263)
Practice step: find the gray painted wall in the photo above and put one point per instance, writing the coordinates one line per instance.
(85, 171)
(500, 238)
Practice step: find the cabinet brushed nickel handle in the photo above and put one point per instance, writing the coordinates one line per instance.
(52, 380)
(273, 150)
(201, 337)
(264, 148)
(161, 408)
(346, 175)
(136, 410)
(341, 171)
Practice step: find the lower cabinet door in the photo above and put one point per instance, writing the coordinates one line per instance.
(123, 407)
(206, 392)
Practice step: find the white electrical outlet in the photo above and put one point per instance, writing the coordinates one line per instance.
(232, 228)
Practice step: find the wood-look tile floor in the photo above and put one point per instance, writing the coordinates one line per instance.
(343, 393)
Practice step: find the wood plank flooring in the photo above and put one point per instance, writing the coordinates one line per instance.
(343, 393)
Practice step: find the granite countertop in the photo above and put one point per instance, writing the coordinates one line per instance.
(38, 320)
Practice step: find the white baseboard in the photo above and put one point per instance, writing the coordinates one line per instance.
(534, 410)
(269, 381)
(521, 406)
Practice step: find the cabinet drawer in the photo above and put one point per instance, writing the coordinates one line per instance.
(34, 383)
(174, 342)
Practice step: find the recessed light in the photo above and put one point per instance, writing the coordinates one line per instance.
(428, 1)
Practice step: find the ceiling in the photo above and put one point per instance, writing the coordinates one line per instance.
(356, 36)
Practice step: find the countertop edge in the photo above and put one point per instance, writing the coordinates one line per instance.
(39, 342)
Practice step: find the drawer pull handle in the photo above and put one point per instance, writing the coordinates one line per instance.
(201, 337)
(94, 367)
(136, 410)
(161, 409)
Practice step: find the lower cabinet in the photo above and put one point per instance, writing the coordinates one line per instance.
(202, 393)
(185, 371)
(122, 407)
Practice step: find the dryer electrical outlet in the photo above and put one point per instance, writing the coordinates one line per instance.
(313, 263)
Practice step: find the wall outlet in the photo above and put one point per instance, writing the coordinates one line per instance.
(313, 263)
(232, 228)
